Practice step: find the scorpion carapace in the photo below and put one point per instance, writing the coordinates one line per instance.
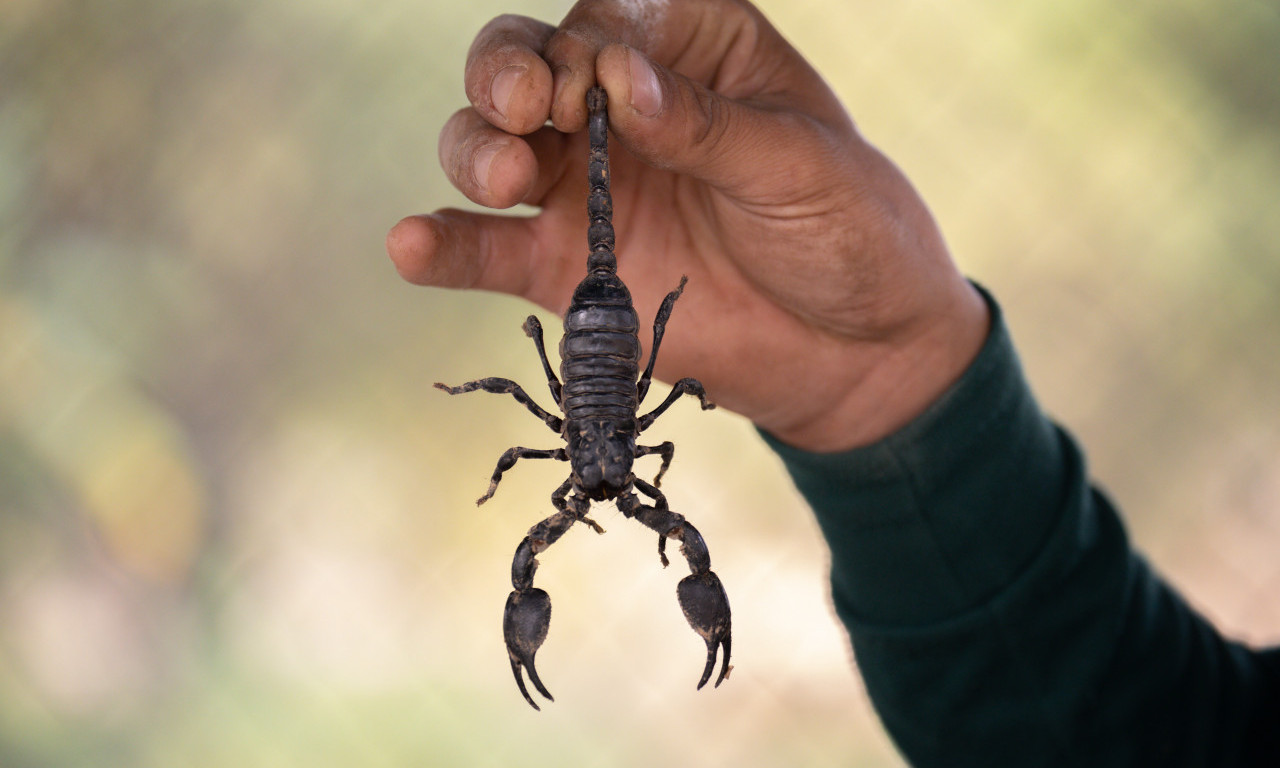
(600, 397)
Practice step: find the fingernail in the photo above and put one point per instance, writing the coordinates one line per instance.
(559, 79)
(482, 162)
(502, 85)
(646, 93)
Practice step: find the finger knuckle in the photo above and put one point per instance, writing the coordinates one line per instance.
(711, 120)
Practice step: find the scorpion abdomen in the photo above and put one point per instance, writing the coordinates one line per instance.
(600, 386)
(600, 352)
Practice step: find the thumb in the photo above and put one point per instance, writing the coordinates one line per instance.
(672, 122)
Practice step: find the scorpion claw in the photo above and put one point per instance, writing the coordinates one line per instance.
(515, 669)
(524, 626)
(706, 608)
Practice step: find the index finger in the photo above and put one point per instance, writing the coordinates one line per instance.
(506, 78)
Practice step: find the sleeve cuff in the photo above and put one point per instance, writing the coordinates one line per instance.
(936, 518)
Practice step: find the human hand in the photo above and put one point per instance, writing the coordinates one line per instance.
(822, 302)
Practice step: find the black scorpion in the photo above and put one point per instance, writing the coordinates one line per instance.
(600, 398)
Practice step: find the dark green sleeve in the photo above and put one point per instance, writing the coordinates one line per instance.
(997, 612)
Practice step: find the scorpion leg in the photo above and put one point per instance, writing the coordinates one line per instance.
(652, 492)
(533, 329)
(527, 615)
(659, 327)
(508, 460)
(682, 387)
(667, 450)
(506, 387)
(702, 596)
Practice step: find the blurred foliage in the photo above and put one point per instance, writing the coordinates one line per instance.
(237, 527)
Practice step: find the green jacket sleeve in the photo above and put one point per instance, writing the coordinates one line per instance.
(997, 612)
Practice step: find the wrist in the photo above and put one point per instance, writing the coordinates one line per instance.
(895, 379)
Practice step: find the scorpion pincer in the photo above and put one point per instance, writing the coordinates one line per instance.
(600, 398)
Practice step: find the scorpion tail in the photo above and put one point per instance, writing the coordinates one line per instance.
(600, 236)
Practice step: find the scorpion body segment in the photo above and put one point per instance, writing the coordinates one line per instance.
(600, 396)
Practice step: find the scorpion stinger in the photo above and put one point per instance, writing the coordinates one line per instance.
(600, 396)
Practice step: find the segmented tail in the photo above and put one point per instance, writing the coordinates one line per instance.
(600, 237)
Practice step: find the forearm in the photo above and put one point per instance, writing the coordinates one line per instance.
(998, 615)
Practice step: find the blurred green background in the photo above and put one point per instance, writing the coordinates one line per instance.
(237, 525)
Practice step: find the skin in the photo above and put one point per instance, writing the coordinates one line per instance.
(822, 301)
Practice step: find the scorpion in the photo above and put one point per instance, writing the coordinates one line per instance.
(600, 398)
